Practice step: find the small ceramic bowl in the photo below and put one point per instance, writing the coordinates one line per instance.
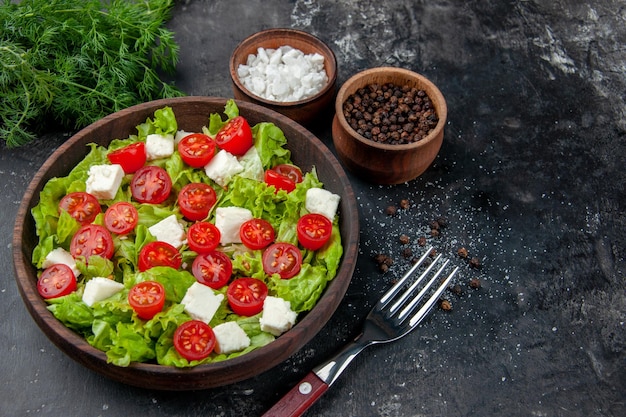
(304, 111)
(381, 162)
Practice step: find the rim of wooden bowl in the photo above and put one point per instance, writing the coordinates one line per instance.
(160, 377)
(273, 39)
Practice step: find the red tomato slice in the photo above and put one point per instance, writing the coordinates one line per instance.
(212, 269)
(290, 171)
(196, 150)
(90, 240)
(131, 157)
(203, 237)
(56, 281)
(280, 182)
(256, 233)
(283, 259)
(235, 136)
(194, 340)
(246, 296)
(121, 218)
(147, 298)
(151, 184)
(313, 230)
(82, 206)
(196, 200)
(159, 254)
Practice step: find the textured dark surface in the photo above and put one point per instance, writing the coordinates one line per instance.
(530, 178)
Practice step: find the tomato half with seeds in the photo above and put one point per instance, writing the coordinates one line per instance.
(212, 269)
(147, 298)
(280, 182)
(131, 157)
(56, 281)
(203, 237)
(196, 200)
(90, 240)
(246, 296)
(159, 253)
(235, 136)
(196, 150)
(256, 233)
(151, 184)
(290, 171)
(82, 206)
(194, 340)
(282, 258)
(121, 218)
(313, 230)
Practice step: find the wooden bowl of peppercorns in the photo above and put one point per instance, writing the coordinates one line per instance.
(388, 125)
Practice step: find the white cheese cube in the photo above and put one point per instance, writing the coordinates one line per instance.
(104, 180)
(230, 338)
(321, 201)
(61, 256)
(223, 167)
(159, 146)
(179, 135)
(228, 221)
(169, 230)
(201, 302)
(100, 288)
(277, 316)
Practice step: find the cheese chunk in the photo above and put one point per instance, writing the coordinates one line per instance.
(230, 338)
(61, 256)
(181, 134)
(100, 288)
(201, 302)
(169, 230)
(223, 167)
(228, 221)
(277, 316)
(104, 181)
(321, 201)
(159, 146)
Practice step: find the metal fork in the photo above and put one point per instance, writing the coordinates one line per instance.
(391, 318)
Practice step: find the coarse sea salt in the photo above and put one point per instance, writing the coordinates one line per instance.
(284, 74)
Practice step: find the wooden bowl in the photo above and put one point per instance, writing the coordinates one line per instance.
(304, 111)
(383, 163)
(191, 113)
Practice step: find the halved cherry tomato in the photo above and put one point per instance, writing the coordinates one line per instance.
(235, 136)
(151, 184)
(313, 230)
(92, 239)
(196, 150)
(283, 259)
(147, 298)
(121, 218)
(56, 281)
(212, 269)
(256, 233)
(195, 200)
(203, 237)
(194, 340)
(280, 182)
(131, 157)
(159, 254)
(246, 296)
(82, 206)
(290, 171)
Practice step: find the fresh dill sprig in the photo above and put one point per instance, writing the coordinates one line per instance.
(70, 63)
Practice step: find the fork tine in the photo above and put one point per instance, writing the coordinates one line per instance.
(413, 286)
(417, 318)
(386, 299)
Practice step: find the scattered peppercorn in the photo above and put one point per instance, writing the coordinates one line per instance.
(475, 283)
(456, 290)
(434, 232)
(445, 305)
(421, 241)
(391, 210)
(407, 253)
(474, 263)
(404, 239)
(389, 113)
(405, 204)
(462, 252)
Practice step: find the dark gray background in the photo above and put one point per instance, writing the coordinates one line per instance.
(530, 177)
